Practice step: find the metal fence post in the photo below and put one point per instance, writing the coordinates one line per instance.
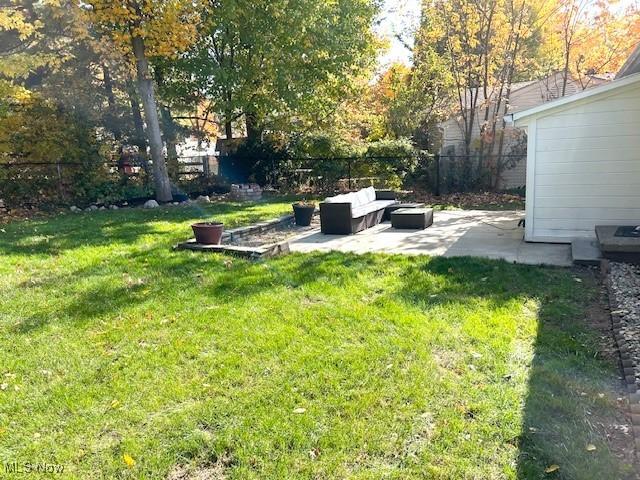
(437, 159)
(60, 186)
(349, 172)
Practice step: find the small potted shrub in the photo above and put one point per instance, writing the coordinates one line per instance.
(303, 212)
(208, 233)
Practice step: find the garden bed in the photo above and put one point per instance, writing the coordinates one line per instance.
(261, 240)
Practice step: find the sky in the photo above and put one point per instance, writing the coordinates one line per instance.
(398, 17)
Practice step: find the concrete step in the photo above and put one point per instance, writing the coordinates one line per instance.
(585, 251)
(619, 249)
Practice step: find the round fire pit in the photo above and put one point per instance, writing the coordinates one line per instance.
(208, 233)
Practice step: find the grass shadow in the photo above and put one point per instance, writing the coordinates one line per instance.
(572, 419)
(125, 226)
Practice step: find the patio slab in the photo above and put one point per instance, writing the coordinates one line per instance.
(454, 233)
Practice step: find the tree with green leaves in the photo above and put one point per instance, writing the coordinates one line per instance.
(274, 61)
(144, 29)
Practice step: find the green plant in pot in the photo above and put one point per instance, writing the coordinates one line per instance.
(303, 212)
(208, 233)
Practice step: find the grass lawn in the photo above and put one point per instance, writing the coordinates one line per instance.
(115, 347)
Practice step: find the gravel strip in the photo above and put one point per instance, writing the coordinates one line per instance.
(623, 284)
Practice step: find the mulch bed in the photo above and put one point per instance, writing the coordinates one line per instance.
(276, 235)
(482, 200)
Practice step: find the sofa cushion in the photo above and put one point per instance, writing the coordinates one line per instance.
(357, 199)
(361, 198)
(337, 199)
(363, 210)
(370, 193)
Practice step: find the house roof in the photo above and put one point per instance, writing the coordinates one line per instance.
(593, 92)
(492, 92)
(632, 65)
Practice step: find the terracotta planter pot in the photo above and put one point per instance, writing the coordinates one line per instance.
(303, 214)
(208, 233)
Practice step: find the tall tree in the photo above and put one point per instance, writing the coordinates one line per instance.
(271, 60)
(145, 28)
(486, 45)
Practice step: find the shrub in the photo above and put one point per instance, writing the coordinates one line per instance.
(47, 155)
(391, 161)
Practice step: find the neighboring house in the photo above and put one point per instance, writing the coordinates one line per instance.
(583, 160)
(524, 95)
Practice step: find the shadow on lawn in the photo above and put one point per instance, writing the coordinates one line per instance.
(571, 399)
(563, 409)
(115, 285)
(72, 231)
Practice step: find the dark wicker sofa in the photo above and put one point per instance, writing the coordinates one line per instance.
(353, 212)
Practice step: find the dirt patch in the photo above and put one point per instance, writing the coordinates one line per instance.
(473, 201)
(8, 215)
(276, 235)
(215, 471)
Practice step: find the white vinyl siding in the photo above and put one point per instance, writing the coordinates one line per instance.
(587, 166)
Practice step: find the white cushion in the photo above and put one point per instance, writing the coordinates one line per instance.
(370, 193)
(336, 199)
(362, 197)
(356, 199)
(353, 199)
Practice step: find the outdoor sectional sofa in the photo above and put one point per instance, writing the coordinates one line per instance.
(353, 212)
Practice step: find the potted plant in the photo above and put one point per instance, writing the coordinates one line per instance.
(208, 233)
(303, 212)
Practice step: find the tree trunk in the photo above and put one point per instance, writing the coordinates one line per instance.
(171, 139)
(169, 132)
(138, 124)
(114, 123)
(145, 85)
(228, 128)
(139, 138)
(254, 132)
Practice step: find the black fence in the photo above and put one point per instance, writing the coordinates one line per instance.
(321, 174)
(25, 182)
(480, 172)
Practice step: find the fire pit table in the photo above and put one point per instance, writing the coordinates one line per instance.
(412, 218)
(397, 206)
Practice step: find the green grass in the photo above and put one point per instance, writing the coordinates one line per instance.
(406, 367)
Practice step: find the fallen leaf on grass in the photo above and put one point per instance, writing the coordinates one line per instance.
(552, 468)
(128, 459)
(299, 410)
(590, 448)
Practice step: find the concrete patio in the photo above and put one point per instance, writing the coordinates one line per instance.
(454, 233)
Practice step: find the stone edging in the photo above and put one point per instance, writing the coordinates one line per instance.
(263, 251)
(626, 359)
(240, 232)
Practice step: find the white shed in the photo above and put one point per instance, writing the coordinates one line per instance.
(583, 162)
